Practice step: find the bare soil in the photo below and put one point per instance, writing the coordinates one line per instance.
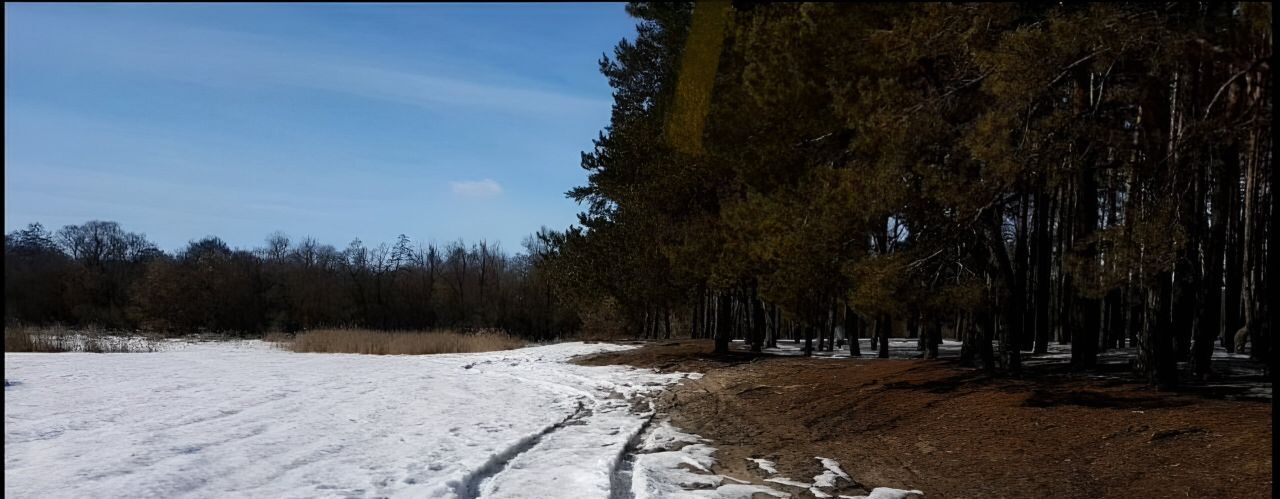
(961, 433)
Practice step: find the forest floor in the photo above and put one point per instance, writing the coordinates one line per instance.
(961, 433)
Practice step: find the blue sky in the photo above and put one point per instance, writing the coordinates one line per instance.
(335, 121)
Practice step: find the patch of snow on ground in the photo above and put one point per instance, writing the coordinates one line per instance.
(666, 437)
(766, 465)
(899, 348)
(828, 480)
(834, 467)
(829, 475)
(888, 493)
(789, 482)
(246, 419)
(672, 464)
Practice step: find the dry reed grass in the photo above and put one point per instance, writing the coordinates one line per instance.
(281, 340)
(365, 341)
(60, 339)
(17, 339)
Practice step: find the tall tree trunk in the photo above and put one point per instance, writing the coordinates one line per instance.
(968, 340)
(934, 338)
(1084, 344)
(724, 325)
(1115, 318)
(656, 317)
(851, 330)
(1066, 214)
(820, 333)
(884, 328)
(1044, 261)
(1113, 303)
(666, 322)
(1066, 304)
(1137, 312)
(1155, 356)
(775, 326)
(1249, 298)
(833, 320)
(1010, 356)
(986, 322)
(1210, 327)
(1233, 274)
(757, 322)
(1022, 328)
(921, 334)
(649, 321)
(1267, 337)
(1190, 205)
(735, 315)
(696, 322)
(808, 339)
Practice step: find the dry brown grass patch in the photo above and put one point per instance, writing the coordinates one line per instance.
(400, 343)
(281, 340)
(17, 339)
(61, 339)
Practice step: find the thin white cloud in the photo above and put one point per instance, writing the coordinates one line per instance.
(476, 189)
(224, 58)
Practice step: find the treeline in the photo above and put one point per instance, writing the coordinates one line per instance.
(1092, 174)
(98, 274)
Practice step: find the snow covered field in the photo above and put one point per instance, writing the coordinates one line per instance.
(247, 420)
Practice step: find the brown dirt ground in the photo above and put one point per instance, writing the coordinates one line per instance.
(960, 433)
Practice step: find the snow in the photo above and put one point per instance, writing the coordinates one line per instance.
(788, 481)
(662, 473)
(673, 464)
(813, 487)
(665, 437)
(245, 419)
(828, 477)
(833, 466)
(1236, 376)
(766, 465)
(827, 480)
(899, 348)
(889, 493)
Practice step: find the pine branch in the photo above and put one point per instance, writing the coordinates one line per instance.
(1216, 95)
(1071, 66)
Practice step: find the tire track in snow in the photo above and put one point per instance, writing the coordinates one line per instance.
(620, 477)
(469, 486)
